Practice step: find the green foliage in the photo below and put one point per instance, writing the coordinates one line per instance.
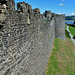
(66, 33)
(74, 22)
(72, 25)
(72, 30)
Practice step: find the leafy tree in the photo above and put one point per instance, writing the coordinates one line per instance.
(74, 22)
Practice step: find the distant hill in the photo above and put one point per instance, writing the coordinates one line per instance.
(70, 17)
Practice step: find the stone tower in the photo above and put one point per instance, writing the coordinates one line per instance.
(60, 26)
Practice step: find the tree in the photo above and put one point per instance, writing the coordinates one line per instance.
(74, 22)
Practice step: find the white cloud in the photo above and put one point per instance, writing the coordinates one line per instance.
(70, 14)
(61, 4)
(58, 13)
(73, 14)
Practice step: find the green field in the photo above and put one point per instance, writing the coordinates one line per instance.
(62, 58)
(72, 30)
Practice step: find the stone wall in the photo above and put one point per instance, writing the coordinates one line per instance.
(25, 40)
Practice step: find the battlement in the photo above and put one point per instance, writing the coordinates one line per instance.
(48, 14)
(22, 6)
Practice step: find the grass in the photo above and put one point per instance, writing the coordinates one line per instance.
(62, 59)
(66, 33)
(72, 30)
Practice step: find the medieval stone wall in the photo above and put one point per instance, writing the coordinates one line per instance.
(25, 40)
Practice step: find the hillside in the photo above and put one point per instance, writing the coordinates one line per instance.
(70, 17)
(62, 59)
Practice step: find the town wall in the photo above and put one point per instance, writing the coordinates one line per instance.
(26, 39)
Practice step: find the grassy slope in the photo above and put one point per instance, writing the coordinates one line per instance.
(62, 59)
(72, 30)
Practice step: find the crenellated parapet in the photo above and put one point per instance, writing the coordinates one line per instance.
(24, 10)
(24, 7)
(48, 14)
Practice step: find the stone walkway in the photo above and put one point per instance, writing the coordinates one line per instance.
(70, 35)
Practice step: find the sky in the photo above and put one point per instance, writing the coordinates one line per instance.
(66, 7)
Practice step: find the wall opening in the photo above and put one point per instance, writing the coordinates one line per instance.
(21, 10)
(0, 11)
(3, 2)
(1, 26)
(28, 11)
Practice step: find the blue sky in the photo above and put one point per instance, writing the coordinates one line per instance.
(58, 6)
